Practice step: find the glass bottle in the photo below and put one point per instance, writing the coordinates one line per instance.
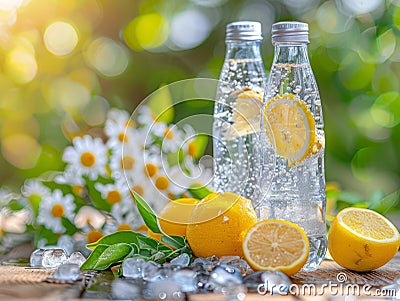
(293, 140)
(237, 110)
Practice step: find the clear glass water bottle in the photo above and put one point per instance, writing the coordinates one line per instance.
(237, 110)
(293, 140)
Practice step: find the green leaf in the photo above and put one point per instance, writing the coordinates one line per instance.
(126, 236)
(386, 203)
(90, 262)
(176, 242)
(350, 198)
(95, 196)
(198, 191)
(70, 228)
(104, 256)
(148, 215)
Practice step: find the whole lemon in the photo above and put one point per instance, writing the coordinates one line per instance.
(218, 224)
(362, 240)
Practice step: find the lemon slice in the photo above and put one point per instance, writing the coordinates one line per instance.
(246, 114)
(290, 127)
(276, 245)
(362, 240)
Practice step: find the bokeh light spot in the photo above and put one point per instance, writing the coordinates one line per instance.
(60, 38)
(146, 32)
(68, 95)
(359, 7)
(189, 29)
(21, 66)
(107, 57)
(386, 109)
(331, 20)
(21, 150)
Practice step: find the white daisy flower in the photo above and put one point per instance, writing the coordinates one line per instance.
(71, 177)
(118, 196)
(88, 156)
(146, 117)
(34, 192)
(123, 160)
(170, 135)
(53, 207)
(118, 128)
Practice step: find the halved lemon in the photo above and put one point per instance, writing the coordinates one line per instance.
(246, 114)
(362, 240)
(276, 245)
(290, 128)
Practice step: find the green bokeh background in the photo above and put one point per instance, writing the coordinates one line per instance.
(57, 80)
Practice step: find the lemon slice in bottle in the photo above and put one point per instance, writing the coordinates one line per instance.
(290, 128)
(246, 114)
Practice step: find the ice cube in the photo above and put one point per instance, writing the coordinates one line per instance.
(183, 260)
(205, 263)
(67, 271)
(151, 271)
(224, 275)
(52, 258)
(241, 265)
(228, 259)
(124, 289)
(186, 278)
(164, 289)
(36, 258)
(76, 258)
(132, 267)
(275, 282)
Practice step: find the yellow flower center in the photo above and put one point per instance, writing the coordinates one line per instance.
(94, 235)
(150, 169)
(122, 138)
(57, 210)
(124, 226)
(77, 189)
(162, 183)
(113, 197)
(88, 159)
(168, 134)
(127, 162)
(171, 196)
(192, 149)
(138, 189)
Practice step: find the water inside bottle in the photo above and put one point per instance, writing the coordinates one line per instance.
(294, 189)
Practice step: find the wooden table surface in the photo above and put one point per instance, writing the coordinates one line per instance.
(25, 283)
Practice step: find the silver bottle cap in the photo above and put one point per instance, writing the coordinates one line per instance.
(243, 31)
(291, 32)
